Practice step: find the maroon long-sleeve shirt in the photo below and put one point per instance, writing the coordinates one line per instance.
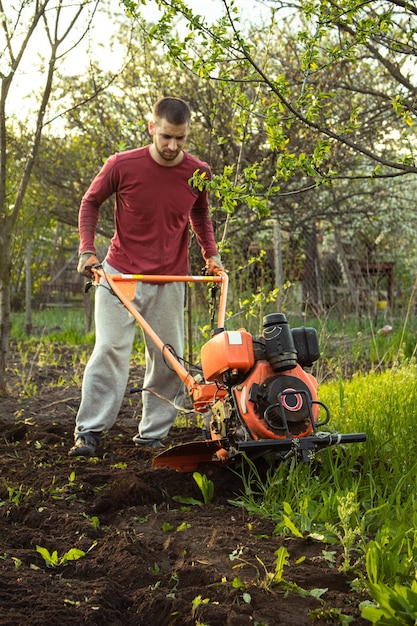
(154, 206)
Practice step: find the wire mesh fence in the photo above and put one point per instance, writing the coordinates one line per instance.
(323, 276)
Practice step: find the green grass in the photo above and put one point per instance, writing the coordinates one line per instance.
(361, 497)
(61, 326)
(339, 339)
(66, 325)
(384, 405)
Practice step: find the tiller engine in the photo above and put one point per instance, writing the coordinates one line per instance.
(256, 394)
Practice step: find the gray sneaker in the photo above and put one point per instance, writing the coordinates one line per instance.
(85, 445)
(152, 443)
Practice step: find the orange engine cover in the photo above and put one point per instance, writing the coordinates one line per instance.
(227, 350)
(263, 376)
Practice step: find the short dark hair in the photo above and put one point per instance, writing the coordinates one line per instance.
(173, 110)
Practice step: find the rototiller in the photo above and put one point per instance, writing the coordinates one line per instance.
(255, 394)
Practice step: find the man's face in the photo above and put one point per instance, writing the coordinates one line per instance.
(168, 140)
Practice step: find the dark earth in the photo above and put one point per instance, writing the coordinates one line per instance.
(146, 557)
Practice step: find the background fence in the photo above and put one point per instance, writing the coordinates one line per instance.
(312, 275)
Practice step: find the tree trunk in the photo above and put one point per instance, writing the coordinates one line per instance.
(28, 288)
(5, 308)
(312, 284)
(10, 208)
(278, 269)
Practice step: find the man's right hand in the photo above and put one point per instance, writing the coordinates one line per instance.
(86, 259)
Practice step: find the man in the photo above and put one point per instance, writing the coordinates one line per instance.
(154, 205)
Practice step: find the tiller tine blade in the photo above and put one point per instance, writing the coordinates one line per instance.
(186, 457)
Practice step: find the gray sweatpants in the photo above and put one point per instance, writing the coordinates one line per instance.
(106, 374)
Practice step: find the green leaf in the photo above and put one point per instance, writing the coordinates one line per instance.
(237, 583)
(205, 485)
(291, 526)
(317, 593)
(72, 555)
(184, 500)
(50, 559)
(282, 555)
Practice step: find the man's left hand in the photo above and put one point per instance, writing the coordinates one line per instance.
(214, 265)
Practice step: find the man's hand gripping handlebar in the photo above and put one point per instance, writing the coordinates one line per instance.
(86, 262)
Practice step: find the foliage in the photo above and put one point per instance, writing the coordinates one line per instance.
(396, 606)
(52, 559)
(391, 557)
(329, 41)
(380, 408)
(205, 485)
(297, 141)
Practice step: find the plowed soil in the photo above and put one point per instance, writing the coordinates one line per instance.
(146, 558)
